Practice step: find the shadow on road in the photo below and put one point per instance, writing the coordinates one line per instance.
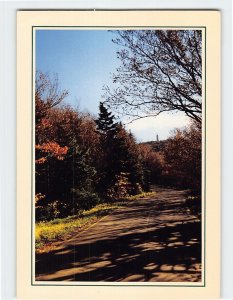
(124, 258)
(170, 250)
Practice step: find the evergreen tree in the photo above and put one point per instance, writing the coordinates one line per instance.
(128, 155)
(105, 122)
(120, 171)
(107, 129)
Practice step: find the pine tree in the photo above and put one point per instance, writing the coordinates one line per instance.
(120, 170)
(127, 153)
(105, 122)
(107, 129)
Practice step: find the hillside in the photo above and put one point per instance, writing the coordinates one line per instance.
(156, 145)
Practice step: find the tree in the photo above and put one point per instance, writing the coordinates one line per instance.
(182, 155)
(152, 161)
(47, 95)
(107, 129)
(161, 70)
(65, 153)
(66, 160)
(47, 150)
(119, 166)
(105, 122)
(127, 160)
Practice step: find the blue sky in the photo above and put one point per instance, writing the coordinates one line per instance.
(84, 61)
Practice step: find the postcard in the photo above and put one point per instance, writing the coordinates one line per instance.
(118, 154)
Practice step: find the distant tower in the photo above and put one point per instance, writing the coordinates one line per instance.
(157, 137)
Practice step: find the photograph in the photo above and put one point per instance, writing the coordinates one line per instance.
(118, 154)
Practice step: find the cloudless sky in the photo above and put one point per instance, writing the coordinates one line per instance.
(84, 61)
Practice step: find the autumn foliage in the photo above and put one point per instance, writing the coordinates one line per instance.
(80, 160)
(50, 149)
(183, 157)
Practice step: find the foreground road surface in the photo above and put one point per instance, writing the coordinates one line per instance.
(151, 239)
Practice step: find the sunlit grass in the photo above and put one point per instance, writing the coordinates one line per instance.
(60, 229)
(141, 196)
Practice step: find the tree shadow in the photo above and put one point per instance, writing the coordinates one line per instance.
(169, 252)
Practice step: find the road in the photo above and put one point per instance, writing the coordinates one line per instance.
(155, 239)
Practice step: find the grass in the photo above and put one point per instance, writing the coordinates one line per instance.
(60, 229)
(140, 196)
(47, 233)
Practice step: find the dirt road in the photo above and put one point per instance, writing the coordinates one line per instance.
(152, 239)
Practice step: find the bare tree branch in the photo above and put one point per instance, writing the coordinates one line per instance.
(161, 70)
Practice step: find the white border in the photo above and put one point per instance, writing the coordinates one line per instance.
(8, 123)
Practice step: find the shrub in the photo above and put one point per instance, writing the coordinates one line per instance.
(120, 188)
(83, 200)
(49, 212)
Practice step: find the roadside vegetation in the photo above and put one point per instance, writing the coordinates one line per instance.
(80, 160)
(84, 161)
(48, 233)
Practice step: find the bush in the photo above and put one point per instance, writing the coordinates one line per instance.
(50, 211)
(83, 200)
(120, 188)
(77, 201)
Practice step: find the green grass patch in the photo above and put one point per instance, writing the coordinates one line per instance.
(48, 232)
(60, 229)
